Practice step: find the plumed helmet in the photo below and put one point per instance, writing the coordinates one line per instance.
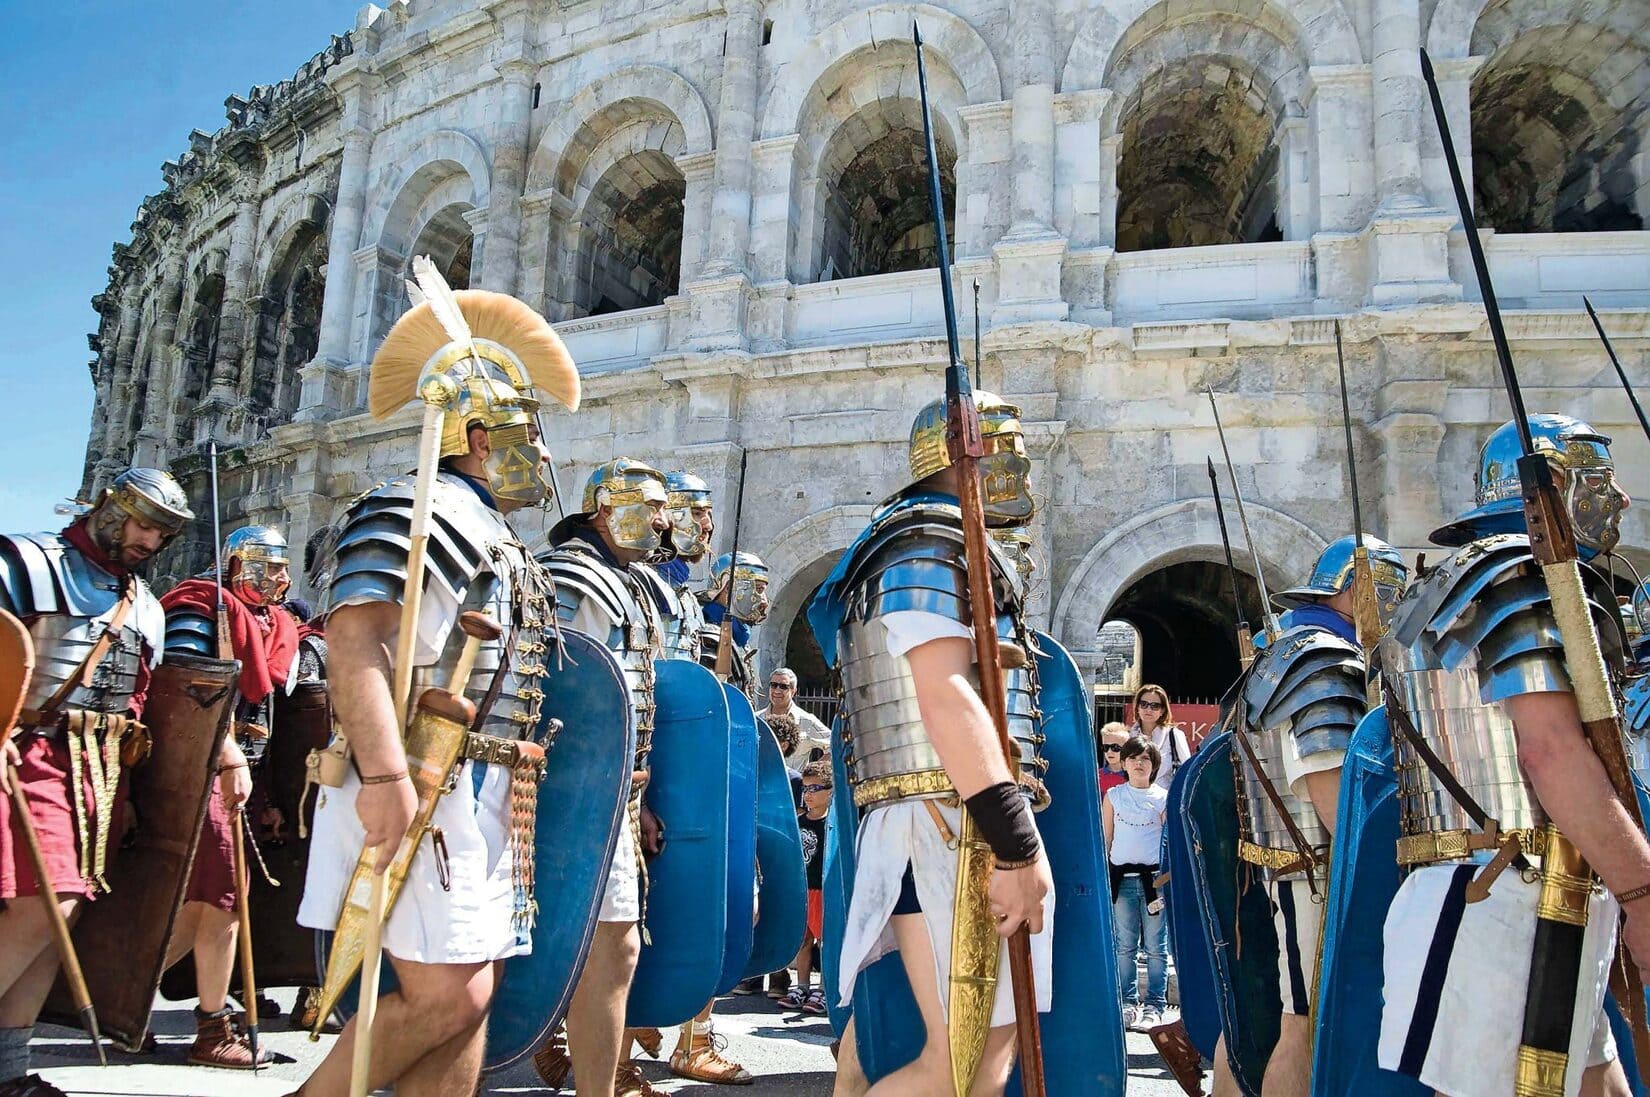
(750, 585)
(261, 553)
(151, 496)
(686, 491)
(1005, 469)
(1569, 444)
(630, 487)
(1333, 574)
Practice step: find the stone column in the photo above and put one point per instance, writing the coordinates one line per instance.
(1031, 26)
(1401, 105)
(117, 406)
(533, 251)
(152, 435)
(323, 377)
(501, 261)
(730, 214)
(237, 287)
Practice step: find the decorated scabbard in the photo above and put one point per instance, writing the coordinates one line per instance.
(976, 951)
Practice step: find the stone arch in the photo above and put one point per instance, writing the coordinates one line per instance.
(860, 179)
(610, 100)
(443, 158)
(947, 38)
(1319, 31)
(296, 212)
(1136, 548)
(800, 558)
(198, 342)
(1560, 112)
(1201, 112)
(287, 318)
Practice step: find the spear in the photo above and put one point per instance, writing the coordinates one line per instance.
(724, 648)
(1366, 611)
(1556, 955)
(1268, 619)
(966, 447)
(1246, 641)
(1609, 348)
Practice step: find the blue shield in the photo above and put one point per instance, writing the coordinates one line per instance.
(1084, 1029)
(581, 806)
(1193, 963)
(782, 905)
(686, 918)
(1241, 942)
(741, 878)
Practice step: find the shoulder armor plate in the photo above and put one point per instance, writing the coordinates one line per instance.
(1312, 679)
(375, 539)
(580, 574)
(1636, 710)
(913, 559)
(191, 632)
(42, 573)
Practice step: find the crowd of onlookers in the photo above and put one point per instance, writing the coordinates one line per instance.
(1137, 763)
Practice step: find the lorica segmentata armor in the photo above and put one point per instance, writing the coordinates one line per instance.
(913, 561)
(1474, 632)
(1304, 696)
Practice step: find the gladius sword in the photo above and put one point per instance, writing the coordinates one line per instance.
(1556, 955)
(966, 446)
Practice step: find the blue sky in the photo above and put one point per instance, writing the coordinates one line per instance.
(95, 96)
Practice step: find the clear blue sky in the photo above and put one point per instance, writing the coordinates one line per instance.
(95, 96)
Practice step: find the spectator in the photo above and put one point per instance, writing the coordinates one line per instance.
(816, 800)
(1154, 722)
(1132, 817)
(1112, 738)
(812, 735)
(786, 732)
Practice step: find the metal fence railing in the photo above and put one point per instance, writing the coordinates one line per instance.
(821, 706)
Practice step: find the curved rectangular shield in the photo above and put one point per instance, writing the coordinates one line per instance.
(782, 902)
(1199, 993)
(743, 753)
(122, 938)
(1085, 1023)
(680, 967)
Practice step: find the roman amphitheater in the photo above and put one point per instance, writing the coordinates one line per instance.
(721, 205)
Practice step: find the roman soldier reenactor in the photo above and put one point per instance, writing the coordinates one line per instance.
(255, 629)
(97, 632)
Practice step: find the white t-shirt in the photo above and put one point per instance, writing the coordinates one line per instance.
(1173, 757)
(1137, 824)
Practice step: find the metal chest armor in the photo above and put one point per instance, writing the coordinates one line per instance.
(913, 560)
(1476, 630)
(475, 561)
(683, 628)
(580, 573)
(1304, 694)
(65, 600)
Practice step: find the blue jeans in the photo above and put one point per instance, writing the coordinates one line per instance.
(1135, 930)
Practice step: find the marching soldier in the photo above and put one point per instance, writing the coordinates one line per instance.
(466, 904)
(750, 608)
(263, 637)
(606, 590)
(1494, 772)
(1299, 703)
(97, 633)
(919, 748)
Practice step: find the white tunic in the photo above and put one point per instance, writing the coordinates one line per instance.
(903, 834)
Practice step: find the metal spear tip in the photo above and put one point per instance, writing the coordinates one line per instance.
(916, 34)
(1426, 64)
(88, 1021)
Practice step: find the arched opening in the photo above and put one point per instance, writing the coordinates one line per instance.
(1556, 131)
(289, 325)
(630, 251)
(200, 347)
(449, 241)
(1187, 625)
(1198, 161)
(878, 216)
(802, 653)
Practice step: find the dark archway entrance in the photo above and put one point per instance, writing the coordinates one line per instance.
(1187, 623)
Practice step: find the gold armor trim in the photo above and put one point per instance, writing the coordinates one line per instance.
(1278, 860)
(999, 428)
(975, 953)
(928, 783)
(1539, 1073)
(1566, 884)
(1454, 845)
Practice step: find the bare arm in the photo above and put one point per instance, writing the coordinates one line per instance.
(1324, 790)
(1106, 821)
(1576, 793)
(961, 729)
(359, 677)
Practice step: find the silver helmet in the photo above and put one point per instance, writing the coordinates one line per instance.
(635, 491)
(689, 500)
(150, 496)
(750, 586)
(1333, 574)
(256, 565)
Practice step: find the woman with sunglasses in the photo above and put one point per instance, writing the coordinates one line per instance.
(1154, 722)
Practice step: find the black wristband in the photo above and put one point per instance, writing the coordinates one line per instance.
(1004, 821)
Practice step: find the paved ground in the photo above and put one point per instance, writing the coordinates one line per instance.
(789, 1053)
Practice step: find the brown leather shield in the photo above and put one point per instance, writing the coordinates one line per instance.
(16, 667)
(122, 938)
(283, 951)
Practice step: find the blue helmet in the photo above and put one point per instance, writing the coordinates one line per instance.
(1570, 445)
(1333, 574)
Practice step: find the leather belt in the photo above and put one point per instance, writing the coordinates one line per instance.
(930, 784)
(1281, 861)
(1433, 846)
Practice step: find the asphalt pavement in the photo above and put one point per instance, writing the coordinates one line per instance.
(789, 1053)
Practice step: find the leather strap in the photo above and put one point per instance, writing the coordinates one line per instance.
(1309, 856)
(83, 675)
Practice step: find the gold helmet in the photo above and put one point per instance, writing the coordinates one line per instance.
(499, 354)
(1004, 471)
(635, 491)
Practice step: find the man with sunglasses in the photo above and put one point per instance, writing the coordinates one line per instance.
(811, 734)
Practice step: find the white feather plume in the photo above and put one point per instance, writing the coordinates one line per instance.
(441, 300)
(414, 294)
